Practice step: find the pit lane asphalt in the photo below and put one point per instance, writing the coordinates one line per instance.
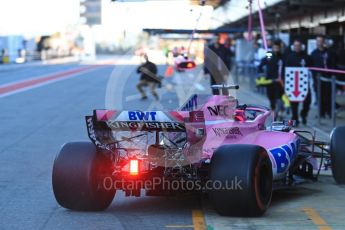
(35, 123)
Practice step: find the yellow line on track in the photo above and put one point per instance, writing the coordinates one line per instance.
(198, 220)
(317, 219)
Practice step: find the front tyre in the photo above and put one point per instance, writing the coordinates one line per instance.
(337, 149)
(78, 175)
(245, 173)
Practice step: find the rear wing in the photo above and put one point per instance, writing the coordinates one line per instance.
(102, 125)
(142, 120)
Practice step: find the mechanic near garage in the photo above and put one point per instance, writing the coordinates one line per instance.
(322, 57)
(298, 58)
(217, 63)
(148, 71)
(272, 67)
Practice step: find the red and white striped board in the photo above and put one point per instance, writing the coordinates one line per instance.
(296, 83)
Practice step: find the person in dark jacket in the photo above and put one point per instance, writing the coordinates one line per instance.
(217, 63)
(298, 58)
(148, 77)
(321, 57)
(272, 67)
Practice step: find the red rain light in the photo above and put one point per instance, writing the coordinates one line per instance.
(186, 65)
(133, 167)
(190, 65)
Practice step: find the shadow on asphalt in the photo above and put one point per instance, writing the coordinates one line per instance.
(147, 204)
(183, 202)
(292, 194)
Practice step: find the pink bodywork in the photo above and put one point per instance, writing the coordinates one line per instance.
(238, 132)
(221, 123)
(224, 127)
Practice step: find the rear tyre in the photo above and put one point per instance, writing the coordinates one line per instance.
(78, 175)
(246, 172)
(337, 149)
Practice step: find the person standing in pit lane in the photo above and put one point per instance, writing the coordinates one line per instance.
(220, 66)
(272, 67)
(148, 71)
(298, 58)
(322, 57)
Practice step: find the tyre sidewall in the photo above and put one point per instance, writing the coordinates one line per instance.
(244, 163)
(337, 149)
(76, 181)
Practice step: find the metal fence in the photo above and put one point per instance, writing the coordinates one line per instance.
(334, 83)
(245, 71)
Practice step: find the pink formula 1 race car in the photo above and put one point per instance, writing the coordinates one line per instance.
(183, 63)
(233, 152)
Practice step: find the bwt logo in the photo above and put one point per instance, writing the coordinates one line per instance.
(284, 154)
(142, 116)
